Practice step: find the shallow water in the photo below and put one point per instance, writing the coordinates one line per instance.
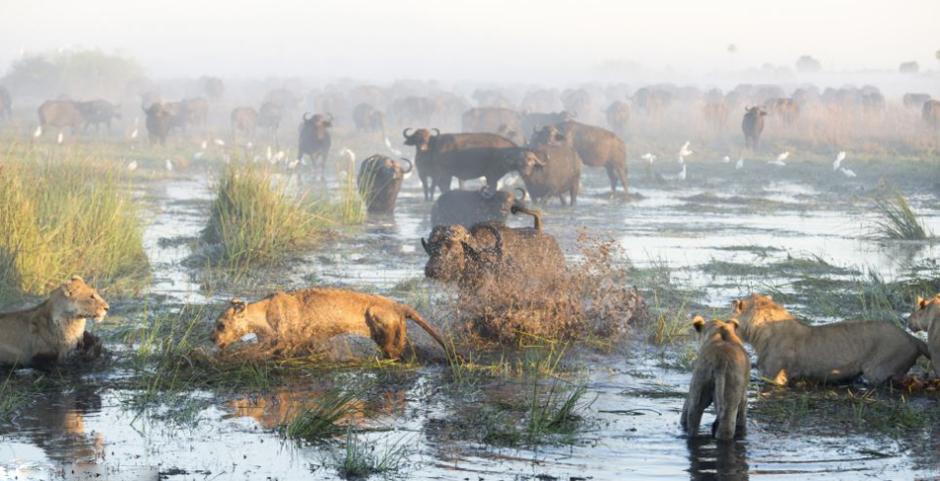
(632, 425)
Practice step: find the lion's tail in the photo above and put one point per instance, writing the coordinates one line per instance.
(412, 314)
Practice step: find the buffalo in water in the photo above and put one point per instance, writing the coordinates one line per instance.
(752, 125)
(368, 119)
(618, 117)
(270, 115)
(533, 122)
(434, 150)
(466, 207)
(244, 120)
(379, 182)
(596, 147)
(60, 114)
(97, 113)
(505, 122)
(6, 103)
(159, 121)
(559, 170)
(315, 139)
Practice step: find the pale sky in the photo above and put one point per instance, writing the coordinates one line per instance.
(474, 40)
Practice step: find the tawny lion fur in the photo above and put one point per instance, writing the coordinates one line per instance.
(53, 329)
(788, 349)
(296, 318)
(721, 375)
(926, 317)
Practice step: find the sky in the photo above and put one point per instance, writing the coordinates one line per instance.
(478, 40)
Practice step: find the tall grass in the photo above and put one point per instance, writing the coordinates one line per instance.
(321, 420)
(359, 459)
(258, 220)
(898, 221)
(64, 217)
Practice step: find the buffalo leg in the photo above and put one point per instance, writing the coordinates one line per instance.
(574, 192)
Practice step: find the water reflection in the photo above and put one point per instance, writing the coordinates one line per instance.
(712, 460)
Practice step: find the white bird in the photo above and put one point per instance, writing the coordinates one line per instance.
(838, 161)
(649, 157)
(783, 156)
(847, 172)
(682, 173)
(293, 164)
(739, 164)
(204, 144)
(60, 138)
(685, 151)
(388, 143)
(348, 155)
(726, 160)
(269, 154)
(169, 165)
(134, 134)
(777, 162)
(199, 155)
(279, 156)
(132, 166)
(38, 132)
(219, 142)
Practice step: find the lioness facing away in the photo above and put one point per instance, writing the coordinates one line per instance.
(296, 318)
(721, 373)
(788, 349)
(926, 317)
(50, 331)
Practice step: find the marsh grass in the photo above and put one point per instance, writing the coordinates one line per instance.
(321, 420)
(360, 459)
(67, 216)
(12, 400)
(898, 221)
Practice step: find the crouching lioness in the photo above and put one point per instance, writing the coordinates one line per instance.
(788, 349)
(292, 319)
(50, 331)
(721, 373)
(926, 317)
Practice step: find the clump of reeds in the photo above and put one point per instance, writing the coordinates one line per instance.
(360, 459)
(322, 419)
(898, 220)
(66, 217)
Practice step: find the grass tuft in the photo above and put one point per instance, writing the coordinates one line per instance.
(898, 221)
(321, 420)
(359, 459)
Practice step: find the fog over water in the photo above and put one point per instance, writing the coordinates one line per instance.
(546, 41)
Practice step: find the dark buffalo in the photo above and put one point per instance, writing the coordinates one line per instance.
(931, 113)
(915, 100)
(379, 182)
(159, 122)
(315, 139)
(785, 109)
(429, 147)
(596, 147)
(533, 122)
(466, 207)
(6, 103)
(469, 256)
(618, 117)
(505, 122)
(244, 120)
(368, 119)
(558, 172)
(472, 162)
(60, 114)
(270, 115)
(97, 113)
(194, 112)
(752, 125)
(577, 101)
(213, 87)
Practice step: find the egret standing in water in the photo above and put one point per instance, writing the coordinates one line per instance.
(739, 164)
(684, 152)
(779, 161)
(838, 162)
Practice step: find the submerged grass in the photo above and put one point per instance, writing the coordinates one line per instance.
(321, 421)
(359, 459)
(66, 216)
(898, 220)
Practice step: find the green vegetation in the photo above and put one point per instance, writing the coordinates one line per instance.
(322, 420)
(898, 221)
(62, 217)
(79, 73)
(359, 458)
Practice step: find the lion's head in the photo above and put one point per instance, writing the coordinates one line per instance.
(756, 310)
(233, 324)
(716, 327)
(76, 300)
(926, 312)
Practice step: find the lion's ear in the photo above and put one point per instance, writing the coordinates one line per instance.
(239, 305)
(698, 322)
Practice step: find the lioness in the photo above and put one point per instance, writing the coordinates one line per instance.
(53, 329)
(298, 317)
(721, 374)
(926, 317)
(788, 349)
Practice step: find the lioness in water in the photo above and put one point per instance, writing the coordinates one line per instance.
(50, 331)
(721, 373)
(788, 349)
(295, 318)
(926, 317)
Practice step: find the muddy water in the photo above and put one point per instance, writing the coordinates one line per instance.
(632, 426)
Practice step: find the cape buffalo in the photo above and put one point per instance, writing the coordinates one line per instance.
(159, 121)
(430, 147)
(60, 114)
(752, 125)
(315, 139)
(379, 182)
(98, 112)
(244, 120)
(368, 119)
(618, 117)
(269, 116)
(533, 122)
(494, 120)
(915, 100)
(466, 207)
(596, 147)
(559, 171)
(475, 162)
(931, 113)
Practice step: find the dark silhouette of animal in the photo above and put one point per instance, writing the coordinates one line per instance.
(494, 120)
(618, 117)
(97, 113)
(315, 139)
(159, 121)
(244, 120)
(269, 116)
(474, 162)
(61, 114)
(434, 161)
(467, 207)
(533, 122)
(379, 182)
(915, 100)
(596, 147)
(368, 119)
(930, 112)
(752, 125)
(557, 173)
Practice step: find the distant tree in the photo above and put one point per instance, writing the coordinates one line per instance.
(77, 74)
(212, 87)
(807, 64)
(909, 67)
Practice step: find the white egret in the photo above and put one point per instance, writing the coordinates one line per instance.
(838, 162)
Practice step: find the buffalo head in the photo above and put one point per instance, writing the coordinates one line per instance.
(420, 138)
